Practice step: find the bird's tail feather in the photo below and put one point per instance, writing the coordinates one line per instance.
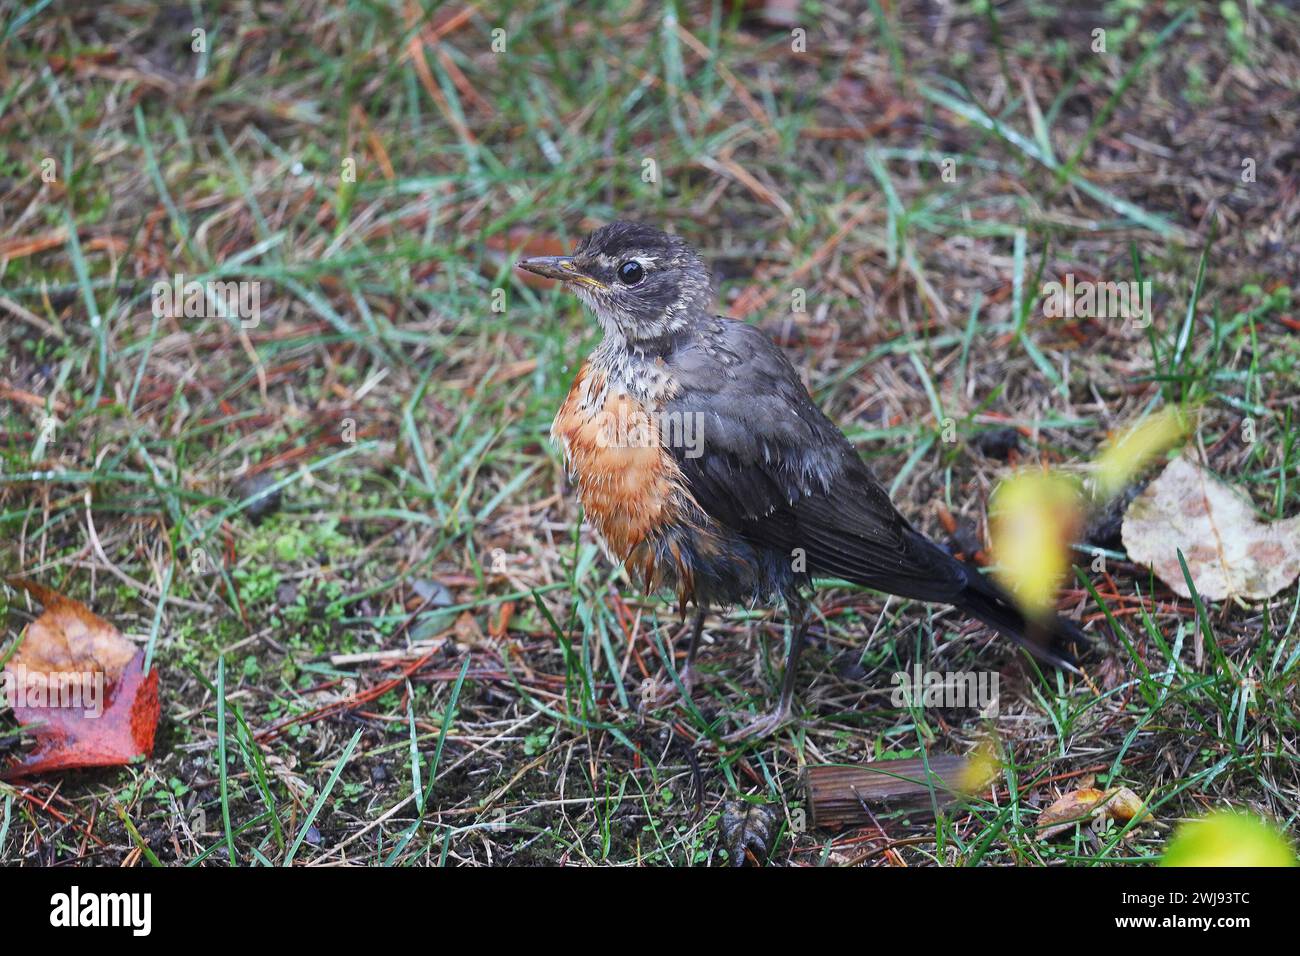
(929, 573)
(1053, 639)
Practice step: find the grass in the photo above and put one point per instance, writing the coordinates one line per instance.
(343, 536)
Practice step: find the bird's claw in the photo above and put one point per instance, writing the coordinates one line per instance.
(669, 692)
(761, 727)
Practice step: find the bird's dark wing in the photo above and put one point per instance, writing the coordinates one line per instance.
(774, 469)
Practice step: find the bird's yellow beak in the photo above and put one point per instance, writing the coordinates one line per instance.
(558, 267)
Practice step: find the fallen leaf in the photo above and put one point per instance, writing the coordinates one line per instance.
(1229, 551)
(78, 685)
(1225, 838)
(1118, 803)
(747, 827)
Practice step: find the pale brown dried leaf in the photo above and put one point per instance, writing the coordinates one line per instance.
(69, 637)
(1118, 803)
(1229, 551)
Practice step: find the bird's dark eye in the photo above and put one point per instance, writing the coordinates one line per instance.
(630, 272)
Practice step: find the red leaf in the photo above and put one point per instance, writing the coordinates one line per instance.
(79, 687)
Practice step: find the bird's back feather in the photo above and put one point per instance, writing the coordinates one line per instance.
(776, 471)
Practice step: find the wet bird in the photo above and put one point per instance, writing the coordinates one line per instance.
(705, 466)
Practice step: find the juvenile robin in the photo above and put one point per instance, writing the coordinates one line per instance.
(705, 466)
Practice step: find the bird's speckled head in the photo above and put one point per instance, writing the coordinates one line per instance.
(644, 285)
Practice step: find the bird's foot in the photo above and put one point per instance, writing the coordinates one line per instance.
(665, 693)
(762, 727)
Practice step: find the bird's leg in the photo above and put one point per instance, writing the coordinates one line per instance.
(687, 674)
(799, 619)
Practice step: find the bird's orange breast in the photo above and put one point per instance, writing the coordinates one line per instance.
(629, 484)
